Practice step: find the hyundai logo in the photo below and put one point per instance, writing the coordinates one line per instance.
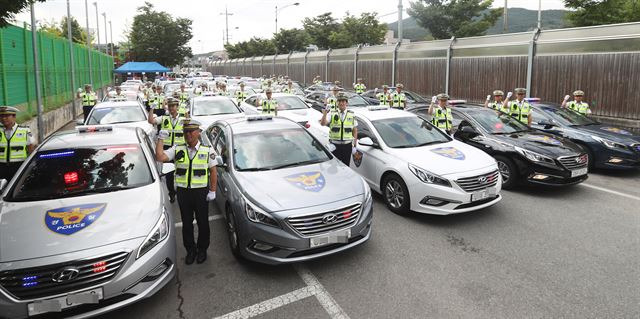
(66, 274)
(482, 179)
(329, 218)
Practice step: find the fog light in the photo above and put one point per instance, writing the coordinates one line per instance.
(615, 160)
(540, 177)
(432, 201)
(157, 272)
(262, 247)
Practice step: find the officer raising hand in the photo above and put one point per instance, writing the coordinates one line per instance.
(196, 179)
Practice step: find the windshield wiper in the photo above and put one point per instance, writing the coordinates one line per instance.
(98, 190)
(254, 169)
(429, 143)
(298, 164)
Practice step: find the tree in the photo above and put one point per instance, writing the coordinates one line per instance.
(288, 40)
(320, 28)
(353, 30)
(50, 28)
(460, 18)
(8, 9)
(597, 12)
(156, 36)
(253, 47)
(78, 34)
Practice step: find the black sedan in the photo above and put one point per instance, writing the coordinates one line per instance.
(608, 146)
(523, 154)
(318, 99)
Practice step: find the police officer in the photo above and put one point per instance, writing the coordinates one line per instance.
(398, 99)
(158, 102)
(577, 105)
(118, 94)
(317, 80)
(497, 104)
(384, 96)
(223, 90)
(359, 87)
(441, 114)
(332, 100)
(182, 106)
(343, 131)
(269, 105)
(148, 91)
(89, 99)
(241, 94)
(183, 95)
(519, 109)
(16, 143)
(289, 88)
(196, 179)
(172, 124)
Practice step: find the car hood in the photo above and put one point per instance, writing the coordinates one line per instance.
(300, 187)
(207, 120)
(445, 158)
(539, 142)
(148, 128)
(610, 132)
(302, 115)
(27, 228)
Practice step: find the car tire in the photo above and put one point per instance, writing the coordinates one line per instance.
(396, 194)
(508, 170)
(233, 234)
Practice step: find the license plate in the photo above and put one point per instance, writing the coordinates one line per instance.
(579, 172)
(332, 238)
(483, 194)
(60, 303)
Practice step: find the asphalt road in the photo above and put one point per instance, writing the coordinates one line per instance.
(569, 252)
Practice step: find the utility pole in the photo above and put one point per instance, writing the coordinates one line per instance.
(36, 70)
(106, 39)
(111, 36)
(97, 25)
(539, 14)
(73, 71)
(226, 18)
(86, 14)
(400, 31)
(505, 19)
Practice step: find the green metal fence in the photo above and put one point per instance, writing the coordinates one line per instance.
(17, 78)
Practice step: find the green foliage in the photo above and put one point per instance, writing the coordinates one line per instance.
(156, 36)
(288, 40)
(320, 28)
(597, 12)
(8, 9)
(78, 34)
(50, 28)
(460, 18)
(365, 29)
(253, 47)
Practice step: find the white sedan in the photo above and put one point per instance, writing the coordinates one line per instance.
(207, 109)
(119, 114)
(294, 108)
(417, 167)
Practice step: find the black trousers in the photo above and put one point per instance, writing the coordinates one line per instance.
(86, 109)
(170, 185)
(343, 152)
(7, 170)
(194, 200)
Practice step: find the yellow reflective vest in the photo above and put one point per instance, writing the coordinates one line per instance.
(192, 172)
(14, 148)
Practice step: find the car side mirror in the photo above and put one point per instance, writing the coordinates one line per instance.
(80, 122)
(468, 130)
(167, 168)
(366, 141)
(219, 161)
(3, 184)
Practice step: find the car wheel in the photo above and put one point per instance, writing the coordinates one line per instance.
(233, 234)
(396, 194)
(508, 171)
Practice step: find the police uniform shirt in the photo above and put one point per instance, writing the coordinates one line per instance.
(9, 134)
(158, 119)
(171, 154)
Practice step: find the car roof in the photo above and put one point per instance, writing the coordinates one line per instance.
(73, 139)
(245, 125)
(381, 114)
(210, 98)
(117, 104)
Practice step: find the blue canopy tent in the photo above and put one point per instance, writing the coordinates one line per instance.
(141, 67)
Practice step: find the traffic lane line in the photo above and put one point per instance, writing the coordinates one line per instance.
(324, 297)
(611, 191)
(271, 304)
(211, 218)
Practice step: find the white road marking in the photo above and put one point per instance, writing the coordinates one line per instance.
(323, 296)
(211, 218)
(611, 191)
(271, 304)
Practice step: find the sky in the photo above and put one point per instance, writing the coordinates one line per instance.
(250, 17)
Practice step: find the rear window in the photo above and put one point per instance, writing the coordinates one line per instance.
(113, 115)
(76, 172)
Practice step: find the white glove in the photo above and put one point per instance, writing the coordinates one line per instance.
(566, 98)
(509, 94)
(163, 134)
(211, 196)
(79, 90)
(354, 150)
(488, 98)
(433, 99)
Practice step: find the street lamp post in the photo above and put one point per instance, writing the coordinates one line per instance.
(289, 5)
(106, 39)
(86, 12)
(97, 26)
(71, 62)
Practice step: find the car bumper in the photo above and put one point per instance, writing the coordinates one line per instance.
(542, 175)
(290, 247)
(617, 160)
(135, 280)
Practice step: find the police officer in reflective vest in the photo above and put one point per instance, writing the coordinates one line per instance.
(497, 103)
(343, 131)
(16, 143)
(89, 100)
(158, 102)
(519, 109)
(118, 95)
(269, 105)
(183, 95)
(332, 100)
(223, 89)
(289, 88)
(182, 106)
(398, 99)
(441, 114)
(384, 96)
(241, 94)
(577, 105)
(196, 179)
(359, 87)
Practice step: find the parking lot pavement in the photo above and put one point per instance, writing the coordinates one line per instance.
(567, 252)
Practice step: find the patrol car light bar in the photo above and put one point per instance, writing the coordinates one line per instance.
(378, 107)
(532, 99)
(57, 154)
(259, 117)
(457, 102)
(94, 128)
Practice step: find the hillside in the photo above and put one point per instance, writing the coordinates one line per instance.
(520, 20)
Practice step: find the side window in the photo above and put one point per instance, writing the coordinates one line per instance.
(212, 133)
(220, 145)
(537, 116)
(364, 130)
(457, 119)
(251, 100)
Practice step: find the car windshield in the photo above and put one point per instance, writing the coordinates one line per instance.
(253, 84)
(412, 97)
(214, 107)
(81, 171)
(357, 101)
(410, 131)
(567, 117)
(276, 149)
(495, 123)
(289, 102)
(113, 115)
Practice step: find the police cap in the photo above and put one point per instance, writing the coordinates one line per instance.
(8, 110)
(337, 83)
(342, 97)
(498, 93)
(241, 83)
(400, 85)
(520, 90)
(87, 86)
(385, 87)
(442, 96)
(172, 101)
(190, 125)
(578, 93)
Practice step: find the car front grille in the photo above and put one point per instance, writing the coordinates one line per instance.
(479, 182)
(320, 223)
(38, 282)
(574, 162)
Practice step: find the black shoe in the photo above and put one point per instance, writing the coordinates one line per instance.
(172, 198)
(191, 256)
(202, 256)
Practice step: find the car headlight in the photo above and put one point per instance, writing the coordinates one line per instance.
(609, 143)
(428, 177)
(257, 215)
(159, 232)
(535, 157)
(368, 199)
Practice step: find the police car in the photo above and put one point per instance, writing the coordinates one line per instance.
(207, 109)
(119, 113)
(285, 197)
(75, 238)
(417, 167)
